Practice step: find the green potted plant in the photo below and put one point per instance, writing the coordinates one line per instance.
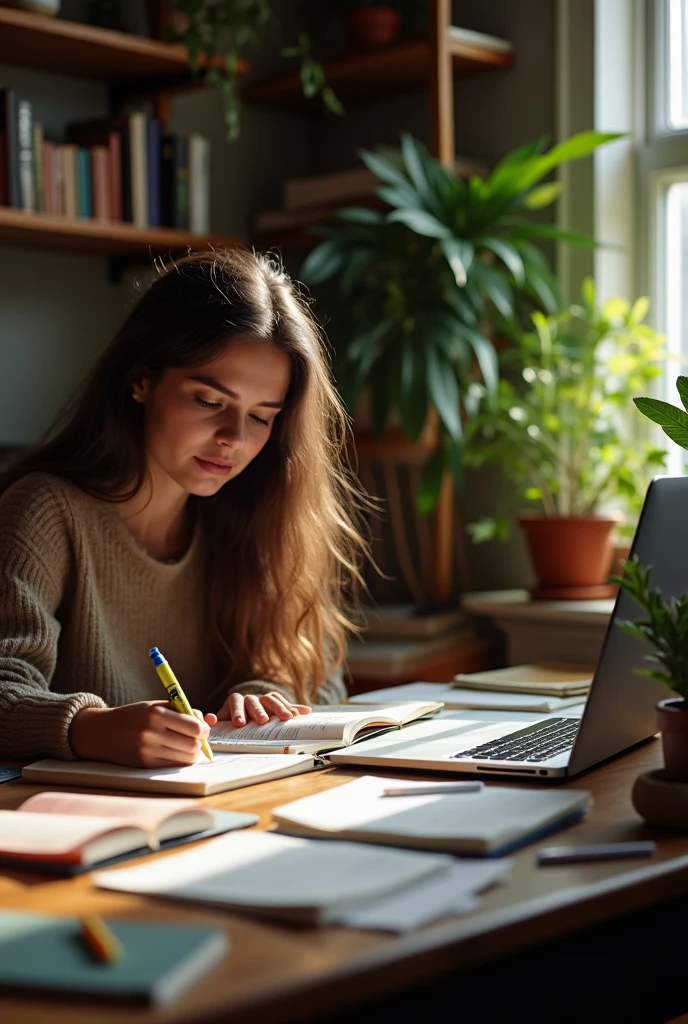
(408, 294)
(665, 629)
(218, 34)
(560, 432)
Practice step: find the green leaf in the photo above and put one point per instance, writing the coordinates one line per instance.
(544, 195)
(383, 168)
(682, 387)
(486, 356)
(507, 253)
(324, 261)
(431, 483)
(359, 215)
(421, 222)
(410, 151)
(673, 421)
(459, 256)
(444, 391)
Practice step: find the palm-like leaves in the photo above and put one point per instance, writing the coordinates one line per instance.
(410, 292)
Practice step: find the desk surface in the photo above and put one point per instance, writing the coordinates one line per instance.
(274, 972)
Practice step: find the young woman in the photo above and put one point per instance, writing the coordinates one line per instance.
(196, 498)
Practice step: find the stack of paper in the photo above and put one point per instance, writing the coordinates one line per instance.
(300, 880)
(553, 679)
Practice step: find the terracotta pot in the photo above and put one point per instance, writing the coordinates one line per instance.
(571, 555)
(368, 27)
(672, 720)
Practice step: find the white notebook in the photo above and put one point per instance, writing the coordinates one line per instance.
(490, 822)
(227, 771)
(336, 725)
(278, 876)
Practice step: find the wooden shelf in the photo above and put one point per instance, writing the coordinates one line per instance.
(376, 74)
(84, 51)
(52, 231)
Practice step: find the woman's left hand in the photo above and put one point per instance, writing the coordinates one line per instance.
(240, 708)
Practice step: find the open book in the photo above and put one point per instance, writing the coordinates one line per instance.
(227, 771)
(491, 822)
(335, 726)
(61, 832)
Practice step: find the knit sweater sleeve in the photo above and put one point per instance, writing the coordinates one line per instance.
(35, 564)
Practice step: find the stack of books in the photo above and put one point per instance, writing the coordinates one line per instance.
(406, 642)
(118, 168)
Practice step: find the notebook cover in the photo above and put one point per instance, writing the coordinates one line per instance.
(47, 954)
(225, 821)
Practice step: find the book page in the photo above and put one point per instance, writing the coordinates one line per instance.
(52, 836)
(161, 818)
(261, 870)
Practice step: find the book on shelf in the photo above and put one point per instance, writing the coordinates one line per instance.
(38, 166)
(65, 833)
(112, 133)
(471, 38)
(304, 883)
(455, 698)
(336, 725)
(225, 772)
(69, 181)
(101, 187)
(488, 823)
(138, 169)
(408, 621)
(175, 181)
(153, 170)
(199, 184)
(10, 147)
(392, 659)
(44, 954)
(83, 182)
(554, 679)
(27, 179)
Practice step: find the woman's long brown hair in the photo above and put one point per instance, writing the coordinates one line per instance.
(283, 538)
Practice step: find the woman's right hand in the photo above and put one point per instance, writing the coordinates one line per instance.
(148, 734)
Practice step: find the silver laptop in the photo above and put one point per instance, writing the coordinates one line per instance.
(619, 711)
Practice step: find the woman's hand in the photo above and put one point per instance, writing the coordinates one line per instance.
(148, 734)
(239, 708)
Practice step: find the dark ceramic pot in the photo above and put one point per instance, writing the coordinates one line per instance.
(672, 721)
(368, 27)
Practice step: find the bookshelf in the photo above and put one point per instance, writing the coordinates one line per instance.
(380, 74)
(132, 66)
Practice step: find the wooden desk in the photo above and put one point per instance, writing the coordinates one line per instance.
(273, 973)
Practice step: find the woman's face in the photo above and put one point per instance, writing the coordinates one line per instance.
(204, 424)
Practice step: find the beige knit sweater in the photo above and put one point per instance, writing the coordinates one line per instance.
(81, 604)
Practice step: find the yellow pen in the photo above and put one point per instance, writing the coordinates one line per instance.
(175, 692)
(103, 944)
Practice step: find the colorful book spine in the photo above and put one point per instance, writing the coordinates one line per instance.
(83, 183)
(100, 182)
(48, 176)
(69, 178)
(116, 185)
(138, 169)
(175, 182)
(153, 153)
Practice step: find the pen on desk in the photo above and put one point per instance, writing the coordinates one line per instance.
(175, 692)
(447, 787)
(103, 944)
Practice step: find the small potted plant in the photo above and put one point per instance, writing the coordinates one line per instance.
(370, 23)
(561, 434)
(665, 629)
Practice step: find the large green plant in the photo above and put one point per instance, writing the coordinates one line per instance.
(229, 29)
(672, 420)
(412, 290)
(560, 428)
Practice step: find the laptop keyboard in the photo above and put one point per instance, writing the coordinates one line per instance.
(537, 742)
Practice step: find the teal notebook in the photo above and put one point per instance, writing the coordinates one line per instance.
(47, 954)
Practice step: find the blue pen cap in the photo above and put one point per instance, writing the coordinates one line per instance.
(156, 656)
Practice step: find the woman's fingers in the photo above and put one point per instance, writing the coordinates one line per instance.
(255, 710)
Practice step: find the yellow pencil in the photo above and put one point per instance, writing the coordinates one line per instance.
(103, 944)
(175, 692)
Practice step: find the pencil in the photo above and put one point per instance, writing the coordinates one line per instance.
(103, 944)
